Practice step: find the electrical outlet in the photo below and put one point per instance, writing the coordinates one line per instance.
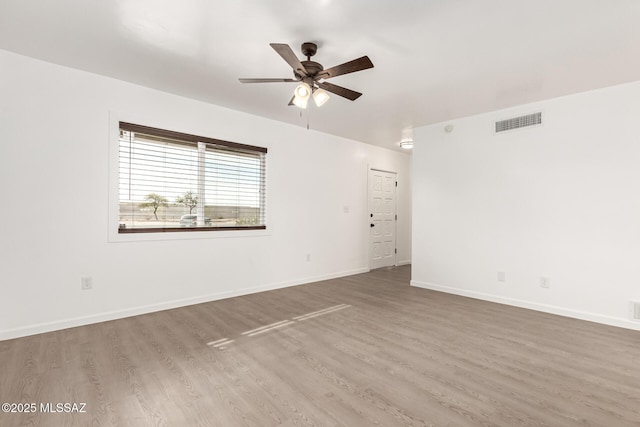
(502, 276)
(545, 282)
(86, 283)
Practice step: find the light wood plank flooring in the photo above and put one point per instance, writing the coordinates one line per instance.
(364, 350)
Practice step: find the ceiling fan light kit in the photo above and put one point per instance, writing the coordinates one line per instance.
(311, 75)
(302, 93)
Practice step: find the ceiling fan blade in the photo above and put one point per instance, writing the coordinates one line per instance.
(268, 80)
(346, 68)
(284, 50)
(339, 90)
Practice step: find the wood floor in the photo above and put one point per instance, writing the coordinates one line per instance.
(363, 350)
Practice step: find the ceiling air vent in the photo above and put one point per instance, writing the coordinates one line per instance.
(519, 122)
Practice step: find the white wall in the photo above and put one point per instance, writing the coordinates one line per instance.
(561, 200)
(54, 169)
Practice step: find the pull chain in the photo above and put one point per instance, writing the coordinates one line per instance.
(307, 110)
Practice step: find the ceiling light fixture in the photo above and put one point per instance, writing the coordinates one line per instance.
(320, 97)
(301, 95)
(406, 138)
(304, 91)
(407, 145)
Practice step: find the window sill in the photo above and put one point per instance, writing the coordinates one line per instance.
(187, 233)
(186, 229)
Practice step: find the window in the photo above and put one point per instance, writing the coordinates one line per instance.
(170, 181)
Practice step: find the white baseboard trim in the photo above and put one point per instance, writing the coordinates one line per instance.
(552, 309)
(145, 309)
(401, 263)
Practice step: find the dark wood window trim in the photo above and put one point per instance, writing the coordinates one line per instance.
(162, 133)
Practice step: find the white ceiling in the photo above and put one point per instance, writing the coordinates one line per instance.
(435, 60)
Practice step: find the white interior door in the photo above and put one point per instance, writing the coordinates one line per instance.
(382, 216)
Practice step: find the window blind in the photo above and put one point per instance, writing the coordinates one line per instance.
(170, 181)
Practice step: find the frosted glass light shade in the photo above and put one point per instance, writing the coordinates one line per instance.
(302, 94)
(320, 97)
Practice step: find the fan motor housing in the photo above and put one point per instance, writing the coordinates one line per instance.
(312, 67)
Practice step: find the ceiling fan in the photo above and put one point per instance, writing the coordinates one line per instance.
(311, 75)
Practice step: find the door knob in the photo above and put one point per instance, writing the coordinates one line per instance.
(372, 225)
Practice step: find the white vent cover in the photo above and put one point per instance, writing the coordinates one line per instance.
(519, 122)
(635, 310)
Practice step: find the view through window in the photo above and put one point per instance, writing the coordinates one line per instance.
(170, 181)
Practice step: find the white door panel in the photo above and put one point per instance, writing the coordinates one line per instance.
(382, 216)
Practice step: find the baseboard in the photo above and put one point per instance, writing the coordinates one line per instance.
(135, 311)
(401, 263)
(552, 309)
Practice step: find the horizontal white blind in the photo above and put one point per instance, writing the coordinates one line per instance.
(178, 182)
